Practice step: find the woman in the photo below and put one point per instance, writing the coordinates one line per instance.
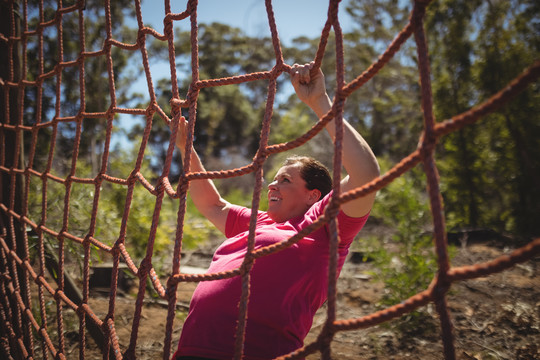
(287, 287)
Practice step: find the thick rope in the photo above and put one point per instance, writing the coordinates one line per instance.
(17, 338)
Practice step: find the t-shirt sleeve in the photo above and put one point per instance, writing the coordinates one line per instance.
(348, 226)
(237, 220)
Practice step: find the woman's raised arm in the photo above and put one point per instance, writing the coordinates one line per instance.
(203, 192)
(358, 158)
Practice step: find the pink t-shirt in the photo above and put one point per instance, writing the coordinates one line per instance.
(286, 287)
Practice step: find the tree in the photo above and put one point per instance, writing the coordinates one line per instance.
(489, 170)
(510, 46)
(228, 117)
(96, 80)
(453, 91)
(387, 108)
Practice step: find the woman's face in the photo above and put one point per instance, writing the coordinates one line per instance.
(288, 196)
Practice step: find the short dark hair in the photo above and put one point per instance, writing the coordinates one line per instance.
(315, 174)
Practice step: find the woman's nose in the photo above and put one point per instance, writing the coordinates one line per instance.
(272, 185)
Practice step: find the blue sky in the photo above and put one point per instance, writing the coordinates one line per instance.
(293, 17)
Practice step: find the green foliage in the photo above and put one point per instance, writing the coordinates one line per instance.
(53, 216)
(405, 263)
(403, 205)
(295, 122)
(490, 170)
(243, 198)
(96, 82)
(386, 110)
(112, 202)
(141, 212)
(228, 117)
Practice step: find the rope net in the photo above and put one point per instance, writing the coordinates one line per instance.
(22, 326)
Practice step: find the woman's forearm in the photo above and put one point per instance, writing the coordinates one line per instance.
(205, 195)
(358, 158)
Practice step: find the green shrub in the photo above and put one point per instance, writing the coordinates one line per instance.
(405, 262)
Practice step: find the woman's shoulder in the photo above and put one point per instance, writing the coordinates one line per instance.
(242, 211)
(239, 217)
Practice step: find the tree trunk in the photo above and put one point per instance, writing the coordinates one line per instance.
(10, 182)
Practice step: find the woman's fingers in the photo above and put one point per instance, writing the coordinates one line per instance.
(301, 73)
(181, 134)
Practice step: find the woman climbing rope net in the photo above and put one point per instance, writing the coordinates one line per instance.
(287, 288)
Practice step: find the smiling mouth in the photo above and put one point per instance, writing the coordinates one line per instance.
(273, 198)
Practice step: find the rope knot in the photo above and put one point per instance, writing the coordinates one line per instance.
(144, 267)
(141, 38)
(179, 102)
(151, 108)
(176, 105)
(168, 26)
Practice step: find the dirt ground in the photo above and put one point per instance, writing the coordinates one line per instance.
(495, 317)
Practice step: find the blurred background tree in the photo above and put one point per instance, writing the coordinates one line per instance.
(96, 79)
(489, 171)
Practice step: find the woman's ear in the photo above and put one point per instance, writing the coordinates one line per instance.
(314, 196)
